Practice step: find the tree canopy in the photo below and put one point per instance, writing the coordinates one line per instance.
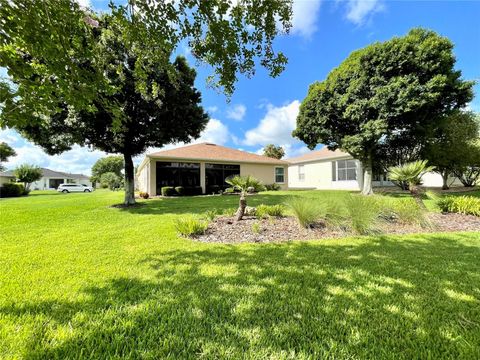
(6, 151)
(28, 174)
(108, 80)
(453, 144)
(113, 164)
(274, 151)
(388, 91)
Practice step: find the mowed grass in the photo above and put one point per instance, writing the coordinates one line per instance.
(79, 279)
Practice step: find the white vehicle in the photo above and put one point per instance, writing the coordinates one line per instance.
(66, 188)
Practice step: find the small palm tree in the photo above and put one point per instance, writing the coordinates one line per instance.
(411, 173)
(243, 183)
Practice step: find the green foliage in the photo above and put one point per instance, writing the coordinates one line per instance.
(190, 226)
(411, 172)
(406, 211)
(109, 164)
(210, 214)
(387, 92)
(362, 214)
(454, 145)
(229, 212)
(307, 212)
(242, 183)
(6, 151)
(467, 205)
(265, 211)
(256, 228)
(144, 195)
(111, 180)
(180, 190)
(28, 174)
(272, 187)
(273, 151)
(167, 191)
(13, 190)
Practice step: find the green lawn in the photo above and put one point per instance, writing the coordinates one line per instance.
(79, 279)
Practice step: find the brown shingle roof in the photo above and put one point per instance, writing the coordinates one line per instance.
(213, 152)
(321, 154)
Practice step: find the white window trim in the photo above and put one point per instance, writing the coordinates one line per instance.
(300, 178)
(346, 168)
(275, 175)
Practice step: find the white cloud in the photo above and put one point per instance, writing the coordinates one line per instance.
(305, 16)
(359, 11)
(216, 132)
(78, 160)
(237, 112)
(84, 3)
(212, 109)
(276, 128)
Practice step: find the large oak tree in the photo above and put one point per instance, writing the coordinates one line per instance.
(392, 91)
(107, 81)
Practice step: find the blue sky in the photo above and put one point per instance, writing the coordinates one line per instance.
(263, 110)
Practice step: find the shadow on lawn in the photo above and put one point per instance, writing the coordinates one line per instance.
(378, 298)
(200, 204)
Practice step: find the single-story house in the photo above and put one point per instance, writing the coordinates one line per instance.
(325, 169)
(206, 166)
(50, 179)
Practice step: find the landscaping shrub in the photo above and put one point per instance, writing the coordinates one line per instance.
(363, 214)
(256, 228)
(144, 195)
(467, 205)
(210, 214)
(405, 211)
(272, 187)
(13, 190)
(190, 226)
(229, 212)
(264, 211)
(168, 191)
(213, 189)
(180, 190)
(193, 190)
(306, 211)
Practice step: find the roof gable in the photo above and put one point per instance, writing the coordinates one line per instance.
(322, 154)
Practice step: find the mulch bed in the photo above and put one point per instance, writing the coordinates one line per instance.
(226, 230)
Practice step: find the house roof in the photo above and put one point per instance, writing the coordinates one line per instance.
(322, 154)
(51, 174)
(213, 152)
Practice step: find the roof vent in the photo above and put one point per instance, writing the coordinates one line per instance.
(211, 144)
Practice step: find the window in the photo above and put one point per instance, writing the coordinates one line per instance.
(301, 172)
(346, 170)
(280, 175)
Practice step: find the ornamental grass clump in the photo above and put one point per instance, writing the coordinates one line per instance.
(306, 211)
(467, 205)
(362, 214)
(405, 211)
(190, 226)
(265, 211)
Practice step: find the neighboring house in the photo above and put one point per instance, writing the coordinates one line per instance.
(6, 177)
(50, 179)
(206, 165)
(325, 169)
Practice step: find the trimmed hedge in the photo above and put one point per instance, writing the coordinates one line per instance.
(180, 190)
(168, 191)
(272, 187)
(467, 205)
(13, 190)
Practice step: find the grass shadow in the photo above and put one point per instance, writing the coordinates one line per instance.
(385, 297)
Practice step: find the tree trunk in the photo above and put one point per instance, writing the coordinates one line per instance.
(445, 180)
(129, 180)
(367, 177)
(417, 195)
(241, 207)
